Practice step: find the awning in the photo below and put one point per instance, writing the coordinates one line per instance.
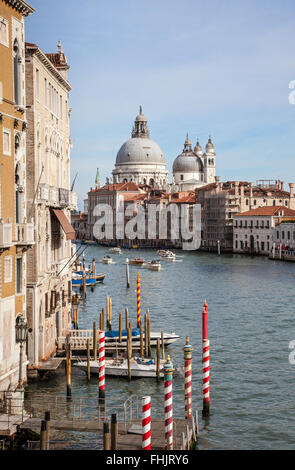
(66, 226)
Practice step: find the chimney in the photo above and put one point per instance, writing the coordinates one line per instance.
(242, 190)
(291, 185)
(251, 189)
(282, 185)
(236, 188)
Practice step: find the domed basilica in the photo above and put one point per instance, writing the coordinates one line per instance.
(142, 161)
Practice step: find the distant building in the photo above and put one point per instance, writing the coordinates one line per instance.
(50, 201)
(253, 230)
(16, 226)
(221, 201)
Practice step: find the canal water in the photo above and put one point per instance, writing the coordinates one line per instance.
(250, 323)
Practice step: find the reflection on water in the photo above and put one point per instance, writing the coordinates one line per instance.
(250, 315)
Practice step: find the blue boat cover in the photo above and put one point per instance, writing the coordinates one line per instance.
(115, 333)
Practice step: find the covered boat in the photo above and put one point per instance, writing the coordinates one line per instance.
(119, 367)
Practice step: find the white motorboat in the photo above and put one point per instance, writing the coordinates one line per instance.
(119, 367)
(116, 249)
(107, 259)
(154, 265)
(167, 255)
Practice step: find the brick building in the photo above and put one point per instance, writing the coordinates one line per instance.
(16, 227)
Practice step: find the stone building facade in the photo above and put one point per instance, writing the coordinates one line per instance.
(221, 201)
(253, 230)
(16, 227)
(50, 201)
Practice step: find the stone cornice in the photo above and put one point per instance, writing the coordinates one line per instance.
(20, 5)
(34, 49)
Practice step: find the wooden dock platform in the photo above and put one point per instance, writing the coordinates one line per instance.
(128, 439)
(51, 364)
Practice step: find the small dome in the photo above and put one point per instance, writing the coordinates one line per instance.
(187, 163)
(209, 146)
(138, 150)
(198, 148)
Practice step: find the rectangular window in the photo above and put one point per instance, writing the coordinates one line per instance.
(6, 142)
(4, 32)
(262, 246)
(37, 85)
(8, 269)
(19, 275)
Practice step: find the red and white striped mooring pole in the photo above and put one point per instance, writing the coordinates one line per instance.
(206, 363)
(168, 403)
(101, 363)
(188, 350)
(146, 423)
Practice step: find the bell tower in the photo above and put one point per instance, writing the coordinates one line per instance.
(209, 162)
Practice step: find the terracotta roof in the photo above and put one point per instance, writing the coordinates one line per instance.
(58, 59)
(268, 211)
(117, 187)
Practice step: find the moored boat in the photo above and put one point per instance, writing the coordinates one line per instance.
(137, 261)
(119, 367)
(116, 249)
(77, 280)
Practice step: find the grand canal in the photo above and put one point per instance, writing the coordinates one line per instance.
(250, 321)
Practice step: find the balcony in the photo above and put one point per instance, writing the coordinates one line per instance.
(54, 196)
(73, 201)
(64, 197)
(5, 235)
(43, 192)
(24, 234)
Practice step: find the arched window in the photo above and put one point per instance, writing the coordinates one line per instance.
(152, 182)
(18, 198)
(144, 180)
(16, 71)
(181, 177)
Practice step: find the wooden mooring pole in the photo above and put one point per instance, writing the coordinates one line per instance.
(88, 360)
(141, 343)
(163, 345)
(127, 274)
(126, 318)
(47, 423)
(94, 340)
(43, 435)
(68, 361)
(106, 436)
(120, 327)
(158, 359)
(114, 431)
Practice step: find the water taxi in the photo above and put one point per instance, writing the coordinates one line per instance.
(107, 259)
(154, 265)
(137, 261)
(116, 249)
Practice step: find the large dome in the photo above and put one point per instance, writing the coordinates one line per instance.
(140, 150)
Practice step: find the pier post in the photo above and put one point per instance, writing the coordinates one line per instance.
(88, 360)
(47, 422)
(106, 436)
(129, 350)
(206, 363)
(146, 423)
(141, 343)
(114, 431)
(127, 274)
(188, 350)
(163, 345)
(110, 314)
(120, 327)
(93, 268)
(101, 379)
(146, 335)
(68, 362)
(168, 403)
(138, 301)
(158, 359)
(94, 346)
(102, 320)
(107, 312)
(126, 318)
(43, 435)
(149, 333)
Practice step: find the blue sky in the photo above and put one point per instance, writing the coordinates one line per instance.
(220, 67)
